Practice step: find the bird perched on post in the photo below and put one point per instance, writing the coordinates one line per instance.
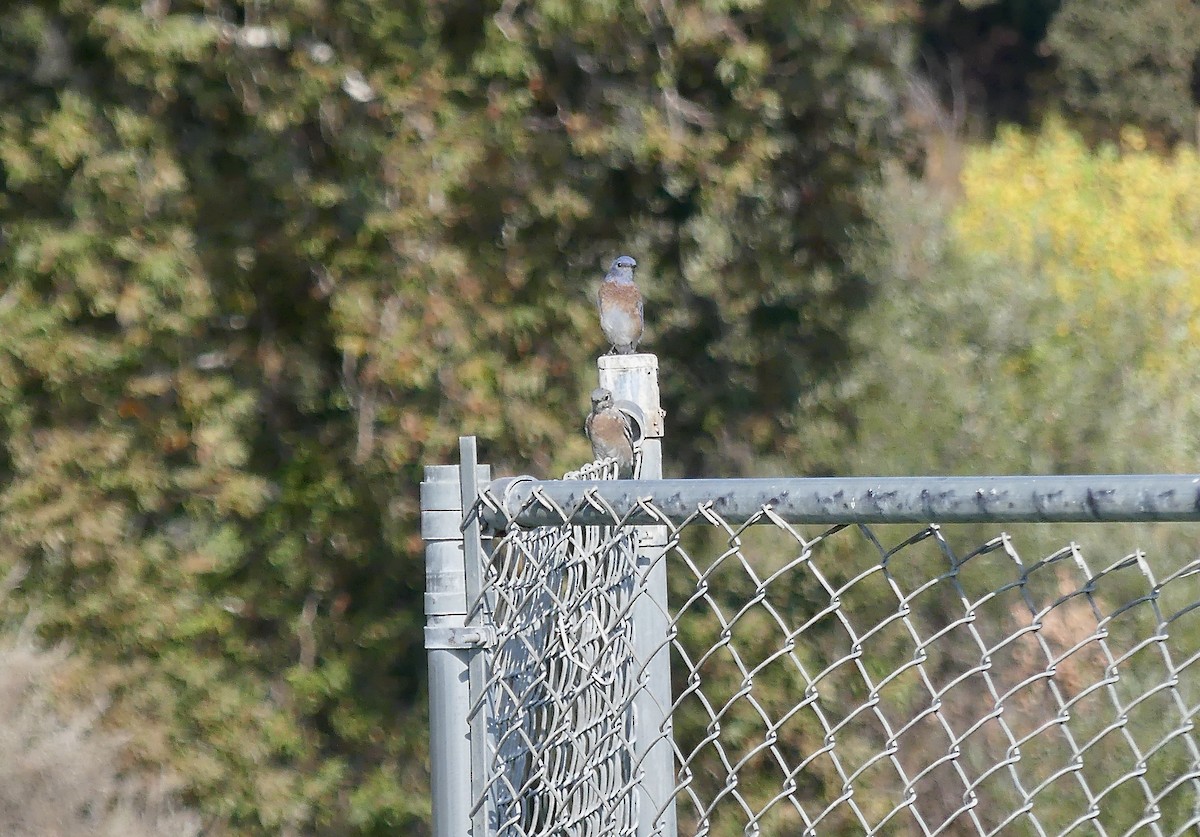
(610, 432)
(621, 307)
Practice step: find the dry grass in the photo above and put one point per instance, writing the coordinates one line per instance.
(62, 773)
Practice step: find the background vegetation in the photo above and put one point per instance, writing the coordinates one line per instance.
(61, 771)
(261, 262)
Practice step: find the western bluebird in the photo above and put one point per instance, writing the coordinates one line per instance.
(621, 307)
(610, 432)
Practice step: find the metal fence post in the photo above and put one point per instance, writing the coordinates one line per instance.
(451, 645)
(635, 378)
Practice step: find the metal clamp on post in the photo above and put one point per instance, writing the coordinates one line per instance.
(459, 636)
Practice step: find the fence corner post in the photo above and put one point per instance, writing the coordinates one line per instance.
(635, 378)
(450, 645)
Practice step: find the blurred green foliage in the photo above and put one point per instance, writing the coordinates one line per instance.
(261, 262)
(1105, 62)
(1045, 322)
(1122, 62)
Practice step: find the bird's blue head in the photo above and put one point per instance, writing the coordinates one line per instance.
(621, 270)
(602, 398)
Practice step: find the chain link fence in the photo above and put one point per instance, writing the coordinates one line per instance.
(847, 657)
(561, 683)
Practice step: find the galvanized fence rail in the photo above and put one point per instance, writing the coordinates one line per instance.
(827, 656)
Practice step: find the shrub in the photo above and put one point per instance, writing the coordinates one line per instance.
(1046, 323)
(1121, 61)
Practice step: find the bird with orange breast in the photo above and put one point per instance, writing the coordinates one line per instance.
(621, 307)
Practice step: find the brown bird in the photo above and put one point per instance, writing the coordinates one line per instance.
(610, 432)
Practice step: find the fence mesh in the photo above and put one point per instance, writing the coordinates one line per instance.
(562, 679)
(851, 679)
